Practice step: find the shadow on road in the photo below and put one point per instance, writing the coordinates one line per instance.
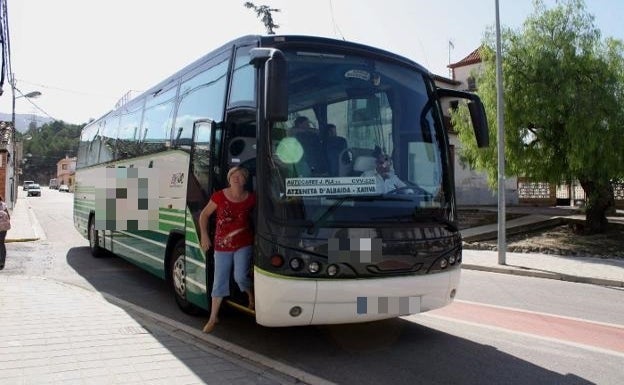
(394, 351)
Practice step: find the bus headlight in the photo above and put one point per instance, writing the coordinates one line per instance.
(296, 264)
(332, 270)
(452, 259)
(314, 267)
(443, 263)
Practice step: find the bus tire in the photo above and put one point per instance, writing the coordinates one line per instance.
(177, 272)
(94, 239)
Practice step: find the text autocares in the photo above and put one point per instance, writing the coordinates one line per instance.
(330, 186)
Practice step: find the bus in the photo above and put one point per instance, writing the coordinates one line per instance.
(333, 244)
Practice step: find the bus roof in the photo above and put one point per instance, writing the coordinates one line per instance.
(280, 42)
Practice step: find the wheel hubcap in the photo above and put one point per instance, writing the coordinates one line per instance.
(92, 236)
(179, 277)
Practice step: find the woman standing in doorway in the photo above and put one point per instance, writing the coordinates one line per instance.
(233, 239)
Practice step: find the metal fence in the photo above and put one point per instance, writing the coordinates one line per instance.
(568, 194)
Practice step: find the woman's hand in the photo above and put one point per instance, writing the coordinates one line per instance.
(205, 243)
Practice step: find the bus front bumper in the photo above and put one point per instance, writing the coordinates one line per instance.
(285, 301)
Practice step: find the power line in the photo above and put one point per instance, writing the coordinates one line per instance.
(64, 89)
(6, 44)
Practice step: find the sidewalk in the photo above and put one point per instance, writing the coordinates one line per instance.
(598, 271)
(56, 333)
(24, 224)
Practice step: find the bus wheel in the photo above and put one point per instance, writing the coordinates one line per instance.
(177, 272)
(94, 240)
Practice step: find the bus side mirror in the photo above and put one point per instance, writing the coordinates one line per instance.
(477, 113)
(273, 66)
(479, 123)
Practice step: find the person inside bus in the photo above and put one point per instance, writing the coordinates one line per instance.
(308, 137)
(233, 239)
(302, 124)
(387, 180)
(334, 145)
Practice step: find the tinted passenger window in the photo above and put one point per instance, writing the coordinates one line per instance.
(202, 96)
(108, 136)
(156, 130)
(129, 133)
(243, 80)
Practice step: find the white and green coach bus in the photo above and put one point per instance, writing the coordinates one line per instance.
(355, 218)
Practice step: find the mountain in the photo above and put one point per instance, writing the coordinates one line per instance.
(23, 120)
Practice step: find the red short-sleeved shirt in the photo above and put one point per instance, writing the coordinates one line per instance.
(233, 222)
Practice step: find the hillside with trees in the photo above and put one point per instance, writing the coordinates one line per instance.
(44, 146)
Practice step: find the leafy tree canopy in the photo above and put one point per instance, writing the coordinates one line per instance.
(43, 147)
(564, 91)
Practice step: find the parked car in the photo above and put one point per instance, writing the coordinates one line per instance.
(28, 183)
(64, 187)
(34, 190)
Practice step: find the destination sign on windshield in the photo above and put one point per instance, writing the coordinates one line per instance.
(297, 187)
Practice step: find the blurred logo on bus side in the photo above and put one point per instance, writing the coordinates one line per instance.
(358, 250)
(126, 199)
(388, 305)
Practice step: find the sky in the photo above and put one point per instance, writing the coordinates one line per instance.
(84, 55)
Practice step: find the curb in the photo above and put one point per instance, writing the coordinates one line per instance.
(231, 348)
(512, 230)
(21, 240)
(526, 272)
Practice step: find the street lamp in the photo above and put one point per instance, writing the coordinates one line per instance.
(15, 178)
(33, 94)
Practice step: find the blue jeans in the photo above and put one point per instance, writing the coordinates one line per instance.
(223, 261)
(2, 247)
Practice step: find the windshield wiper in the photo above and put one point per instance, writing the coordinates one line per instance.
(315, 224)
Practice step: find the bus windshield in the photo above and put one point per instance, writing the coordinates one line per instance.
(363, 142)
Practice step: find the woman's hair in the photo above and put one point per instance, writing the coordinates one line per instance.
(242, 170)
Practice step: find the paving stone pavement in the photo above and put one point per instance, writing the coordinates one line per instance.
(56, 333)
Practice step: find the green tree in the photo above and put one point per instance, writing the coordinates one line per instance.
(564, 91)
(265, 12)
(46, 146)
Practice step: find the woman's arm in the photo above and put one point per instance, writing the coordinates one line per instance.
(204, 225)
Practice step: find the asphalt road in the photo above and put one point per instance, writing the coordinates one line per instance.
(503, 329)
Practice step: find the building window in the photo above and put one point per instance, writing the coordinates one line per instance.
(64, 167)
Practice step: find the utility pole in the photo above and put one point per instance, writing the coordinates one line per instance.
(15, 161)
(500, 108)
